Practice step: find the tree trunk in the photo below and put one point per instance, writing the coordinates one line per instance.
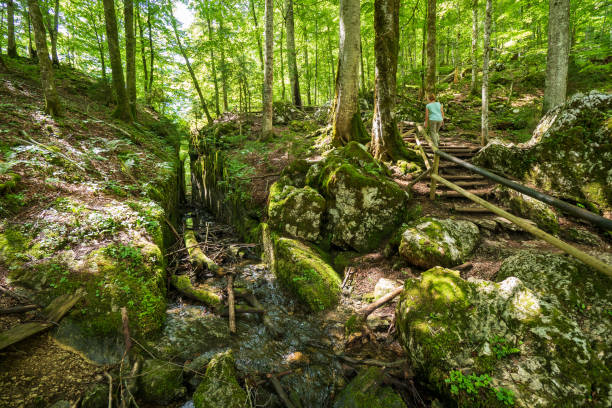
(52, 102)
(267, 129)
(558, 54)
(486, 49)
(423, 57)
(53, 34)
(345, 117)
(31, 50)
(224, 83)
(332, 77)
(130, 54)
(143, 50)
(259, 49)
(473, 86)
(363, 84)
(308, 71)
(212, 59)
(151, 52)
(100, 43)
(193, 76)
(430, 78)
(293, 71)
(386, 141)
(11, 46)
(282, 64)
(316, 65)
(123, 108)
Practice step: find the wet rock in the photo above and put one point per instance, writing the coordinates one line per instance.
(581, 236)
(296, 211)
(219, 387)
(363, 206)
(377, 323)
(365, 391)
(96, 397)
(161, 382)
(430, 242)
(570, 152)
(302, 270)
(503, 340)
(383, 286)
(528, 207)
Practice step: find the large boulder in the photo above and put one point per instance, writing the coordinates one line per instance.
(364, 391)
(486, 344)
(570, 152)
(219, 387)
(161, 382)
(363, 206)
(296, 211)
(528, 207)
(431, 242)
(302, 269)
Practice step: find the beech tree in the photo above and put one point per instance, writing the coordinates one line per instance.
(473, 86)
(130, 54)
(11, 46)
(430, 77)
(558, 54)
(52, 101)
(293, 71)
(346, 118)
(484, 136)
(268, 112)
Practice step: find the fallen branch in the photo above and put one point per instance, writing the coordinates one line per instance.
(371, 361)
(464, 266)
(18, 309)
(252, 300)
(231, 305)
(197, 256)
(242, 310)
(183, 285)
(50, 151)
(280, 391)
(347, 275)
(110, 389)
(366, 311)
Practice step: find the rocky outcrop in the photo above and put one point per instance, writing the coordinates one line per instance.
(430, 242)
(219, 387)
(528, 207)
(364, 391)
(570, 152)
(486, 344)
(302, 270)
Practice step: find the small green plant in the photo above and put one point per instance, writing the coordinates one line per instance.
(504, 395)
(474, 385)
(580, 306)
(501, 348)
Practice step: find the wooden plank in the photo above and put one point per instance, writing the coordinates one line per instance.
(481, 183)
(454, 194)
(586, 258)
(463, 177)
(60, 306)
(432, 184)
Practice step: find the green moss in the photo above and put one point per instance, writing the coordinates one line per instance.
(161, 382)
(219, 387)
(365, 391)
(183, 284)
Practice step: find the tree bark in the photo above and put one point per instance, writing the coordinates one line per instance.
(308, 71)
(52, 101)
(346, 118)
(282, 64)
(423, 57)
(100, 42)
(558, 54)
(485, 74)
(11, 46)
(430, 77)
(151, 53)
(259, 49)
(143, 50)
(53, 34)
(473, 86)
(316, 65)
(291, 59)
(123, 108)
(267, 129)
(213, 67)
(193, 76)
(224, 82)
(130, 54)
(386, 142)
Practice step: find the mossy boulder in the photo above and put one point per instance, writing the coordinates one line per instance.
(363, 206)
(219, 387)
(365, 391)
(161, 382)
(486, 344)
(296, 211)
(528, 207)
(569, 154)
(430, 242)
(96, 397)
(302, 270)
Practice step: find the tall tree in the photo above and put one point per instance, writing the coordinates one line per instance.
(268, 112)
(11, 46)
(430, 77)
(122, 111)
(100, 42)
(259, 48)
(53, 32)
(386, 141)
(212, 57)
(130, 54)
(484, 136)
(53, 105)
(346, 119)
(194, 79)
(558, 53)
(473, 86)
(291, 60)
(151, 51)
(143, 50)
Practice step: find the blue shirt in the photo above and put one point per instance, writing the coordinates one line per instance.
(435, 111)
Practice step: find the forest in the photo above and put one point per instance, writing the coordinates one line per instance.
(305, 203)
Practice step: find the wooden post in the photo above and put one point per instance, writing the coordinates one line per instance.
(432, 188)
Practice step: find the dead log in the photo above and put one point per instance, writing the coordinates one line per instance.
(280, 391)
(197, 257)
(183, 285)
(252, 300)
(366, 311)
(18, 309)
(231, 304)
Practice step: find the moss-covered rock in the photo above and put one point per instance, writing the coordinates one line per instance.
(296, 211)
(161, 382)
(183, 284)
(302, 269)
(528, 207)
(570, 152)
(431, 242)
(365, 391)
(96, 397)
(485, 344)
(219, 387)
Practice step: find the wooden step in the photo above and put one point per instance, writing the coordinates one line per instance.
(462, 176)
(454, 194)
(481, 183)
(471, 210)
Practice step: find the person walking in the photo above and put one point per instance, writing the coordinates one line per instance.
(434, 118)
